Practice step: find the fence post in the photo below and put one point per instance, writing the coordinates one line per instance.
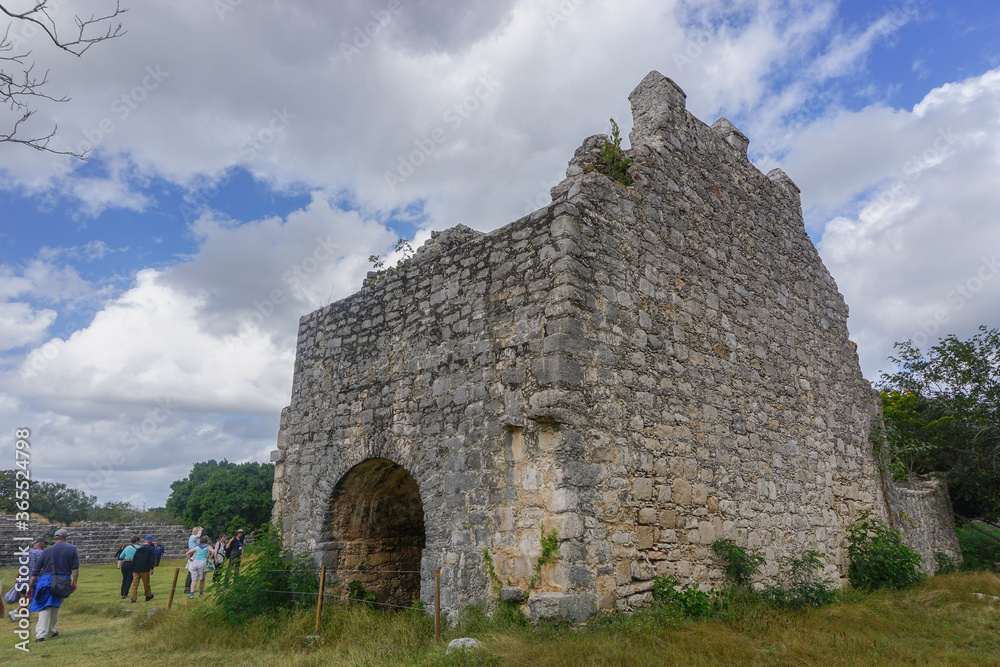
(437, 605)
(319, 600)
(173, 587)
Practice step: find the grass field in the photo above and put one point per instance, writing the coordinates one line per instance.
(939, 622)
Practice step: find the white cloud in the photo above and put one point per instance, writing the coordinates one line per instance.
(20, 324)
(917, 257)
(213, 334)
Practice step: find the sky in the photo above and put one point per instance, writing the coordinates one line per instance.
(246, 158)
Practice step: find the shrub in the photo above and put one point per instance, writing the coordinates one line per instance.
(743, 565)
(689, 600)
(615, 164)
(944, 564)
(357, 591)
(270, 578)
(979, 550)
(799, 584)
(878, 558)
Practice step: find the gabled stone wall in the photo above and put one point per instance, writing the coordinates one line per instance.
(643, 369)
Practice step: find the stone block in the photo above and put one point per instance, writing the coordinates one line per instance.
(642, 488)
(645, 537)
(573, 607)
(648, 515)
(681, 493)
(512, 594)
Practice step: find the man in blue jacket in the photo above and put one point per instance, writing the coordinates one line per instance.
(59, 560)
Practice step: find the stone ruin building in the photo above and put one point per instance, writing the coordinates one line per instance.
(643, 369)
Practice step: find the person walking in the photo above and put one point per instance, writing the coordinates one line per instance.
(158, 552)
(61, 560)
(125, 556)
(192, 543)
(142, 568)
(220, 556)
(198, 560)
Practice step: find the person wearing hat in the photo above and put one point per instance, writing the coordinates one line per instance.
(234, 552)
(59, 560)
(37, 546)
(143, 562)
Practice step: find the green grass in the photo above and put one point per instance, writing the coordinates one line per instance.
(937, 622)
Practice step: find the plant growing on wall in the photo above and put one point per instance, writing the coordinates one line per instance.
(382, 272)
(614, 163)
(492, 573)
(799, 585)
(691, 601)
(743, 565)
(550, 551)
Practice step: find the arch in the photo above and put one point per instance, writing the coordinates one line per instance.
(376, 524)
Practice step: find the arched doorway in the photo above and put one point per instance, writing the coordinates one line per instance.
(377, 528)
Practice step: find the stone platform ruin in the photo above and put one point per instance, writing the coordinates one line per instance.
(644, 369)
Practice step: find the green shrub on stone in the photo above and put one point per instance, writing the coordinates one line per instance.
(743, 565)
(689, 600)
(877, 556)
(615, 164)
(799, 584)
(357, 591)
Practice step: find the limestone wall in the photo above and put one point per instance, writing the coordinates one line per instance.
(97, 542)
(642, 369)
(413, 370)
(922, 512)
(727, 400)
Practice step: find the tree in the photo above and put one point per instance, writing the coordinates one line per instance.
(20, 86)
(942, 414)
(56, 502)
(224, 496)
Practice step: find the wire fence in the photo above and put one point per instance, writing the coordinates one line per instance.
(322, 571)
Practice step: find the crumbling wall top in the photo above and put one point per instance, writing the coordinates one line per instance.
(658, 104)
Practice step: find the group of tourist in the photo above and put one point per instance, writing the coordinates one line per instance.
(53, 570)
(201, 553)
(137, 561)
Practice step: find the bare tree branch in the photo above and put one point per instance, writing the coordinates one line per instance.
(19, 85)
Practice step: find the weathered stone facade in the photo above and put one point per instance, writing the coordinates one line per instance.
(644, 369)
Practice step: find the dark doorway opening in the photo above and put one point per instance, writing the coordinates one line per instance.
(377, 531)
